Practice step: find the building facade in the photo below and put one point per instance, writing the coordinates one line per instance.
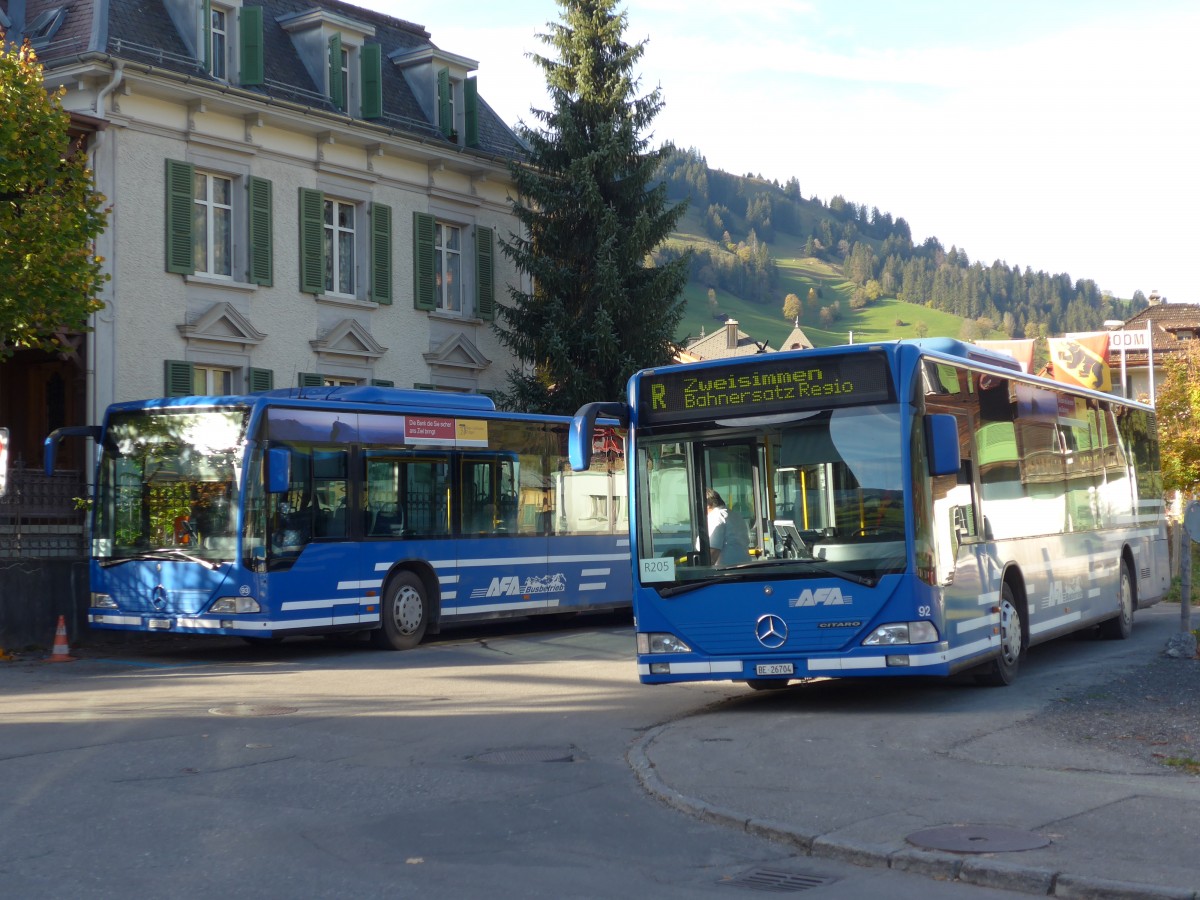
(302, 192)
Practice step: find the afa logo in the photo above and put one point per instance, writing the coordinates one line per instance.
(515, 586)
(831, 596)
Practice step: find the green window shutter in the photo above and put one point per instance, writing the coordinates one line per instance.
(381, 253)
(312, 235)
(260, 380)
(180, 247)
(250, 38)
(382, 382)
(206, 34)
(179, 378)
(259, 228)
(445, 108)
(424, 296)
(336, 88)
(311, 379)
(471, 110)
(371, 79)
(485, 281)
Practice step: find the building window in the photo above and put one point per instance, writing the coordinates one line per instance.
(218, 29)
(218, 225)
(438, 269)
(209, 381)
(316, 379)
(448, 266)
(212, 231)
(185, 379)
(339, 247)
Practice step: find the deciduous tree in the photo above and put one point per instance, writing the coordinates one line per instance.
(791, 308)
(49, 215)
(593, 209)
(1177, 403)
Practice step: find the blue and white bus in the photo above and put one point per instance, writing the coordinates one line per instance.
(909, 508)
(344, 509)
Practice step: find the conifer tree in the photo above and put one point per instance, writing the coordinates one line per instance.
(592, 210)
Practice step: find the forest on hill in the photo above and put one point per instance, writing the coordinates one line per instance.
(743, 217)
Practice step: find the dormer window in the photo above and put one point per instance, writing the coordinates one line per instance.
(225, 37)
(343, 65)
(445, 89)
(218, 31)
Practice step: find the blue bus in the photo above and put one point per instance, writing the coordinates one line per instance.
(347, 509)
(883, 509)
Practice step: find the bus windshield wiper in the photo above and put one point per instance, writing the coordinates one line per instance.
(161, 552)
(747, 571)
(813, 563)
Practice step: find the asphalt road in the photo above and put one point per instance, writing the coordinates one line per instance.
(490, 763)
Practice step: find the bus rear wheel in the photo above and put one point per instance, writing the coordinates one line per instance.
(404, 614)
(1121, 627)
(1002, 670)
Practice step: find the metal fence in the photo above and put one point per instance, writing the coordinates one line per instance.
(39, 518)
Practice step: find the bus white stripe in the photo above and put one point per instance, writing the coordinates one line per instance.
(1055, 623)
(977, 623)
(593, 586)
(517, 561)
(591, 573)
(989, 598)
(498, 607)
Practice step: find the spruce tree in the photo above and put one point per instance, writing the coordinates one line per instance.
(592, 209)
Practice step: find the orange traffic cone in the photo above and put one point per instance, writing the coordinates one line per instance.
(62, 650)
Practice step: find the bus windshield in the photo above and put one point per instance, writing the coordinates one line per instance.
(168, 484)
(808, 494)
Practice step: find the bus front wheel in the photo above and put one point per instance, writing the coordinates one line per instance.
(1003, 669)
(404, 614)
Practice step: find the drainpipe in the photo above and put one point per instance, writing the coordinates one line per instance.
(118, 73)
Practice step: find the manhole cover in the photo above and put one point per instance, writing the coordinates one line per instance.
(977, 839)
(251, 710)
(522, 755)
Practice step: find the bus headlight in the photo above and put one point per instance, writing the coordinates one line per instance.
(103, 601)
(660, 642)
(236, 605)
(902, 633)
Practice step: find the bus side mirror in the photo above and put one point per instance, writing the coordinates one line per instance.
(50, 445)
(583, 423)
(941, 437)
(279, 470)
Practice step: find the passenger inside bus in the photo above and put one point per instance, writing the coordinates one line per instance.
(728, 536)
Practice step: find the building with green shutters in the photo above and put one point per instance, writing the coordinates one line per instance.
(303, 192)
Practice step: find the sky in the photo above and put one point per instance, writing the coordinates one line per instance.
(1055, 136)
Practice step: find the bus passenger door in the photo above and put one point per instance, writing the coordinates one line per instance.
(502, 553)
(732, 471)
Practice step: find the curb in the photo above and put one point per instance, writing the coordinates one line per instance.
(940, 866)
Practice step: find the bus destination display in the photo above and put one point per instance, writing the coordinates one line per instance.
(760, 388)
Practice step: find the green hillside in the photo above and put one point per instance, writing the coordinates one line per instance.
(753, 242)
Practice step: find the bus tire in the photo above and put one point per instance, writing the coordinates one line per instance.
(1120, 627)
(1002, 670)
(404, 613)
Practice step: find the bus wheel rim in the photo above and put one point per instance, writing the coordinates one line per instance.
(408, 610)
(1010, 632)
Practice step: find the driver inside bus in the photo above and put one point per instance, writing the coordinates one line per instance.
(728, 537)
